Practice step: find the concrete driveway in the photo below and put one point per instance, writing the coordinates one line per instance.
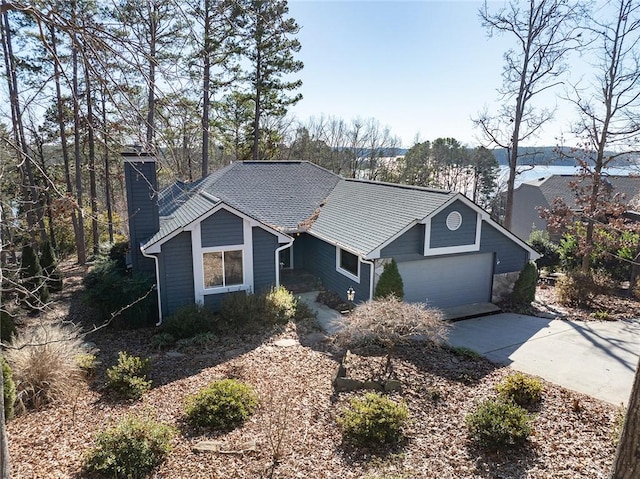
(598, 358)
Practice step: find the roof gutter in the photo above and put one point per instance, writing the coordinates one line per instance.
(372, 273)
(277, 258)
(155, 259)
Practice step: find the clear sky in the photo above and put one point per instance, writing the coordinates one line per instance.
(420, 67)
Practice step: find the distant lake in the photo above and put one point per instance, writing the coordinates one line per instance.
(541, 171)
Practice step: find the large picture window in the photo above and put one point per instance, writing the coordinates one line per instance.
(348, 264)
(222, 268)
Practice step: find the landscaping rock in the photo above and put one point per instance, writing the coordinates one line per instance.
(220, 447)
(392, 385)
(175, 354)
(346, 384)
(286, 343)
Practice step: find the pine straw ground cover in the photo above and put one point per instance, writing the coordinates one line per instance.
(296, 421)
(573, 433)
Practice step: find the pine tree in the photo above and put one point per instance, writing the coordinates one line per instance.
(36, 292)
(270, 46)
(390, 282)
(49, 264)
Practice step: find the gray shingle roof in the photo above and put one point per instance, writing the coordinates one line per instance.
(362, 215)
(557, 186)
(281, 194)
(293, 196)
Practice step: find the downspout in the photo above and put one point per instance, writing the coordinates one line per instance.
(155, 259)
(372, 273)
(277, 256)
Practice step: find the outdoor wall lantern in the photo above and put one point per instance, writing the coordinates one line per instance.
(351, 294)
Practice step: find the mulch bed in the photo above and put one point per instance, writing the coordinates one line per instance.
(573, 438)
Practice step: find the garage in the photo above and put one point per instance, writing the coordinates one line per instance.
(448, 281)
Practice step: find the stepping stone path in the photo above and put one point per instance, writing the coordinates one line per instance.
(286, 343)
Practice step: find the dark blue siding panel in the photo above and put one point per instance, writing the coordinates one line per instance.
(264, 247)
(442, 237)
(408, 247)
(220, 229)
(299, 251)
(176, 273)
(214, 301)
(142, 209)
(509, 255)
(320, 260)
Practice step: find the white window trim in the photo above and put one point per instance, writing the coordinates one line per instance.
(197, 252)
(466, 248)
(224, 288)
(344, 272)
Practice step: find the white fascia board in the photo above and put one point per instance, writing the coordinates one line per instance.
(375, 254)
(156, 247)
(457, 197)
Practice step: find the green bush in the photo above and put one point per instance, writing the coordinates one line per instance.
(250, 312)
(568, 250)
(189, 321)
(523, 390)
(110, 291)
(9, 390)
(497, 424)
(223, 405)
(131, 449)
(49, 264)
(87, 364)
(7, 327)
(575, 289)
(281, 305)
(36, 292)
(162, 340)
(540, 242)
(524, 290)
(118, 254)
(390, 282)
(372, 421)
(128, 378)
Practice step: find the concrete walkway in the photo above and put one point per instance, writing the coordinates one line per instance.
(598, 358)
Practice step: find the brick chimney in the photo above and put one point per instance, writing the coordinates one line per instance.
(142, 206)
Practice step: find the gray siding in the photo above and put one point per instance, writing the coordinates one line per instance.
(509, 256)
(525, 216)
(320, 260)
(408, 247)
(142, 209)
(220, 229)
(442, 237)
(264, 247)
(214, 301)
(176, 274)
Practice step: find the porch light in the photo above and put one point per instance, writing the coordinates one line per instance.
(351, 293)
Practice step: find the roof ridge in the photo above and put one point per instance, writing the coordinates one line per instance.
(399, 185)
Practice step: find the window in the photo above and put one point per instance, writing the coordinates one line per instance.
(348, 264)
(222, 268)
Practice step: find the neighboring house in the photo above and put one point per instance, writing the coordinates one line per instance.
(233, 231)
(541, 193)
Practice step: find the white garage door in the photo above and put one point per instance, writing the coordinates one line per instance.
(448, 281)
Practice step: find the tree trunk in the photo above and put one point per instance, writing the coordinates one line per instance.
(107, 173)
(626, 464)
(5, 468)
(206, 85)
(64, 145)
(80, 239)
(256, 120)
(151, 94)
(93, 190)
(30, 192)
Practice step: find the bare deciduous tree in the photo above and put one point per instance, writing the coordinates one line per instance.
(544, 31)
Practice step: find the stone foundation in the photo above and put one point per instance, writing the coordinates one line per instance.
(503, 286)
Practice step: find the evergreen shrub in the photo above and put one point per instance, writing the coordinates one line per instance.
(390, 282)
(497, 424)
(224, 405)
(524, 290)
(373, 420)
(128, 378)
